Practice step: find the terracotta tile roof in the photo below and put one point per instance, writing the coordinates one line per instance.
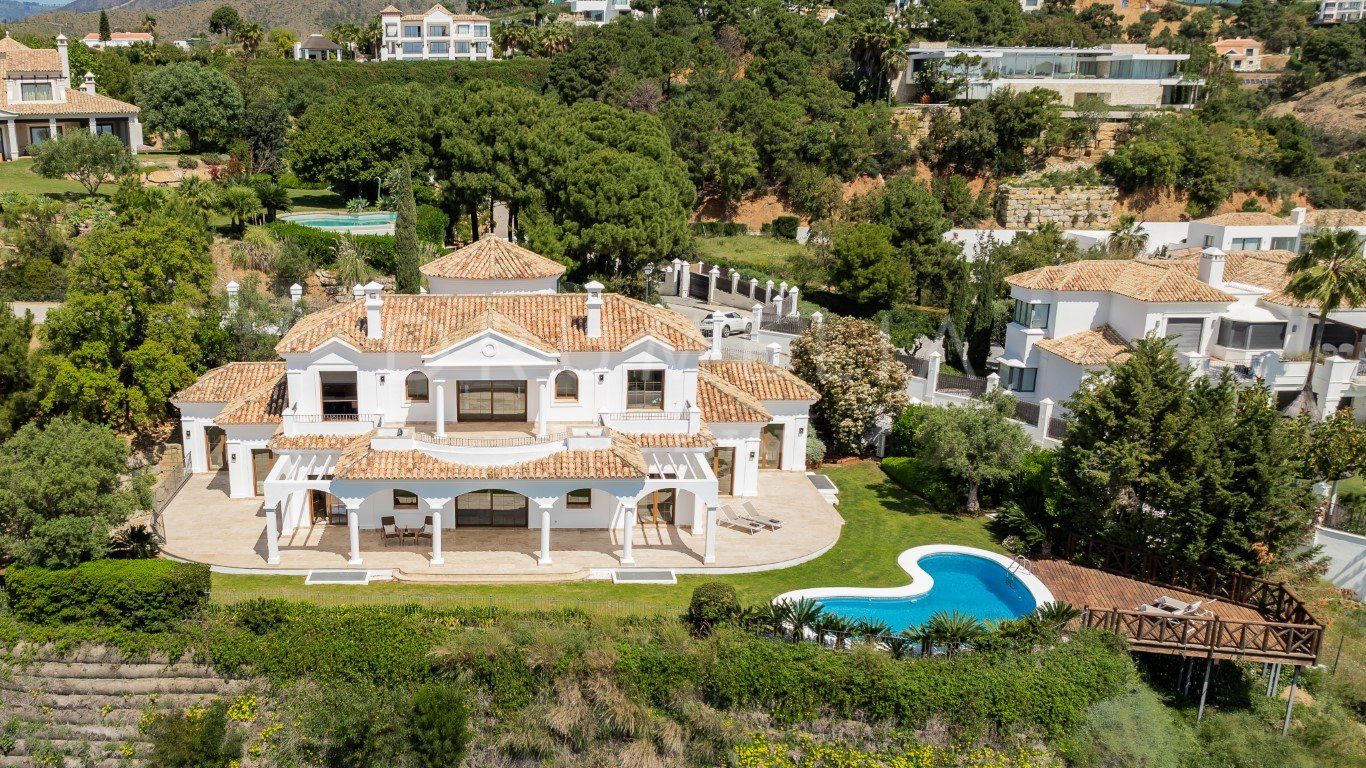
(147, 36)
(761, 380)
(390, 9)
(265, 405)
(497, 321)
(1244, 219)
(1335, 217)
(229, 382)
(1144, 280)
(281, 442)
(77, 103)
(416, 323)
(493, 258)
(622, 460)
(702, 439)
(1097, 346)
(319, 43)
(1264, 269)
(24, 59)
(1236, 43)
(9, 45)
(723, 403)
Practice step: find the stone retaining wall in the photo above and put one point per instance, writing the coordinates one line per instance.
(1070, 207)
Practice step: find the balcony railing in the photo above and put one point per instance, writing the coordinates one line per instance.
(643, 415)
(373, 419)
(474, 441)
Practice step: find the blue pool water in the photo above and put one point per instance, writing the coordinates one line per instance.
(964, 583)
(337, 222)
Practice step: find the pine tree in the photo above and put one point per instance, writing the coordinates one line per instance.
(104, 27)
(407, 257)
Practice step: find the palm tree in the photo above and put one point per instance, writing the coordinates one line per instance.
(804, 614)
(149, 24)
(953, 629)
(1056, 615)
(871, 631)
(835, 624)
(1127, 238)
(900, 645)
(1331, 274)
(554, 38)
(250, 36)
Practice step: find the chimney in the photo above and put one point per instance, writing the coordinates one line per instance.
(1212, 267)
(718, 321)
(594, 330)
(374, 329)
(88, 83)
(66, 61)
(357, 291)
(775, 354)
(1297, 215)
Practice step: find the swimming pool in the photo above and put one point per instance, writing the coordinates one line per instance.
(381, 223)
(986, 585)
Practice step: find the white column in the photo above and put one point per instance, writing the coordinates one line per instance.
(437, 559)
(353, 529)
(544, 558)
(92, 125)
(628, 530)
(684, 276)
(1045, 415)
(712, 277)
(11, 140)
(709, 551)
(543, 407)
(440, 408)
(134, 134)
(52, 127)
(273, 535)
(993, 382)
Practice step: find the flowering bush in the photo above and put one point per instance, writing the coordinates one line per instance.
(850, 363)
(807, 752)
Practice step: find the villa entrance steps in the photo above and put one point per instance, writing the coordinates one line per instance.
(542, 575)
(85, 706)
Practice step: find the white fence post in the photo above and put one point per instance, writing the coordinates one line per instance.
(712, 277)
(774, 354)
(932, 376)
(734, 281)
(1045, 416)
(794, 294)
(993, 382)
(758, 310)
(684, 275)
(817, 318)
(768, 291)
(754, 288)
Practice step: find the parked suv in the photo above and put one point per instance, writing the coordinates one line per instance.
(732, 323)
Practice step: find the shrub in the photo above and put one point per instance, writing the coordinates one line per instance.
(786, 226)
(438, 728)
(933, 486)
(319, 247)
(344, 725)
(1132, 729)
(194, 738)
(901, 439)
(262, 615)
(432, 224)
(815, 448)
(186, 162)
(712, 603)
(147, 595)
(719, 228)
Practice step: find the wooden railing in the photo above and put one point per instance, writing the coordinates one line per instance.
(1256, 640)
(1291, 631)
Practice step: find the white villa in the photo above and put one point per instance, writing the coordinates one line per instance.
(118, 40)
(496, 403)
(599, 12)
(1222, 310)
(436, 34)
(38, 102)
(1120, 74)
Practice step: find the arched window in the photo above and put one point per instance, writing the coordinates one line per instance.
(567, 386)
(416, 387)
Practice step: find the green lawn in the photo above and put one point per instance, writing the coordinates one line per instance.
(882, 520)
(18, 176)
(316, 199)
(770, 254)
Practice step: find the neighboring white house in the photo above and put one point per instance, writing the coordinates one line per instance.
(1243, 54)
(1025, 5)
(436, 34)
(1120, 74)
(1340, 11)
(317, 48)
(1221, 310)
(482, 408)
(598, 12)
(38, 102)
(118, 40)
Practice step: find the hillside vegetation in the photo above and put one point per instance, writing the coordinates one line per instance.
(181, 21)
(1336, 108)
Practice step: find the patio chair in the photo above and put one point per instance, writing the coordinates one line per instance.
(425, 532)
(754, 516)
(731, 520)
(388, 529)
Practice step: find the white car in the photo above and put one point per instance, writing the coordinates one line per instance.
(731, 323)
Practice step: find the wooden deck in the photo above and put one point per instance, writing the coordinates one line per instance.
(1082, 586)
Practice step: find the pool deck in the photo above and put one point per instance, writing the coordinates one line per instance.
(1083, 587)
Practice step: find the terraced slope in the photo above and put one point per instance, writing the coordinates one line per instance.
(83, 708)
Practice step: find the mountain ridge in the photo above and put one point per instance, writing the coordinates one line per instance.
(177, 19)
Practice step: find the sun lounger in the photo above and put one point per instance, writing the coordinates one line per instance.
(751, 514)
(731, 520)
(1169, 606)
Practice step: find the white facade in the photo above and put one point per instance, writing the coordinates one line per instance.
(1121, 74)
(434, 35)
(598, 12)
(1340, 11)
(655, 428)
(118, 40)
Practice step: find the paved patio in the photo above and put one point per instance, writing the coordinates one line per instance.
(203, 525)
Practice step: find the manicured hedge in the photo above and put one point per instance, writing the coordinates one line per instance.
(146, 595)
(432, 224)
(321, 246)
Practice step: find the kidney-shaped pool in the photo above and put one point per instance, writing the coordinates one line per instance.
(982, 584)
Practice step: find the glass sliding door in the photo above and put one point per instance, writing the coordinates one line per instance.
(261, 460)
(492, 508)
(657, 507)
(771, 447)
(491, 401)
(217, 442)
(723, 464)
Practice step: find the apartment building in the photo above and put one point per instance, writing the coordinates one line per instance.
(1124, 76)
(501, 405)
(38, 102)
(436, 34)
(1340, 11)
(1243, 54)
